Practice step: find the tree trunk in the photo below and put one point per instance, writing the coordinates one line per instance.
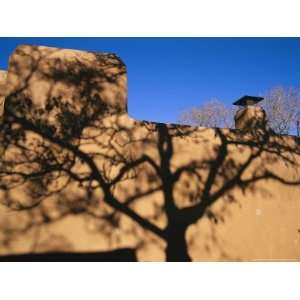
(176, 245)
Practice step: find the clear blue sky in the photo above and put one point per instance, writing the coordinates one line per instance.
(167, 75)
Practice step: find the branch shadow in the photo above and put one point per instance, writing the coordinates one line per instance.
(68, 148)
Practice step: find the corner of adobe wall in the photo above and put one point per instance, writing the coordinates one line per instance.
(41, 73)
(3, 75)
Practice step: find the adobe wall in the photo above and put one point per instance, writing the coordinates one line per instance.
(249, 182)
(2, 84)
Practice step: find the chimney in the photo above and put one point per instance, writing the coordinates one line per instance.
(249, 116)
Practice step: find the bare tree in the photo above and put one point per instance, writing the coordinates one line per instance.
(210, 114)
(282, 106)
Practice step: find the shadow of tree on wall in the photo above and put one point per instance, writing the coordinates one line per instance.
(78, 154)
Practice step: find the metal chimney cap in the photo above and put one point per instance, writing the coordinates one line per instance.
(247, 100)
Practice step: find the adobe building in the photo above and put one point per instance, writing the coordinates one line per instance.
(2, 82)
(78, 175)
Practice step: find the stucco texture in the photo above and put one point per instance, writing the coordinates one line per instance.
(80, 175)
